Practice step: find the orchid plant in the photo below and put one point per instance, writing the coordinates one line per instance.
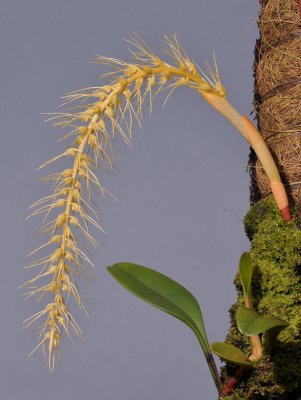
(95, 117)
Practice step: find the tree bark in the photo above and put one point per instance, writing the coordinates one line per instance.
(275, 244)
(277, 72)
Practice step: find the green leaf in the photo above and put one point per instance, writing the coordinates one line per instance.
(163, 293)
(230, 353)
(246, 271)
(166, 294)
(250, 323)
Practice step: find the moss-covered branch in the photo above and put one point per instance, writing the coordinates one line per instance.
(276, 291)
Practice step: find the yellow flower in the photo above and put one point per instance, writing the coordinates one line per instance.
(100, 114)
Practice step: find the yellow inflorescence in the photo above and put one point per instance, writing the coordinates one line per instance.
(100, 114)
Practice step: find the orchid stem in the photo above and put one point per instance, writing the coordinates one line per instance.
(254, 340)
(253, 137)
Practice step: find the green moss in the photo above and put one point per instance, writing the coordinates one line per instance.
(276, 254)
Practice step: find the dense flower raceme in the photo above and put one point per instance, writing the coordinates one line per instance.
(100, 113)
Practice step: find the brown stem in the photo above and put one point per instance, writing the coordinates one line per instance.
(232, 382)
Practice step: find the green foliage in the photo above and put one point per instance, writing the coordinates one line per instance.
(230, 353)
(250, 323)
(162, 292)
(167, 295)
(273, 267)
(246, 272)
(276, 258)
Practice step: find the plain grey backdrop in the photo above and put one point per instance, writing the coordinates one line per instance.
(182, 193)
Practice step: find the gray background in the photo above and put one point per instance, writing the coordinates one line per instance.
(185, 169)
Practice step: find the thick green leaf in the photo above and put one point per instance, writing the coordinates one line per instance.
(166, 294)
(230, 353)
(250, 323)
(162, 292)
(246, 271)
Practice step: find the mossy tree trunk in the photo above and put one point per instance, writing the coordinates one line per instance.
(275, 244)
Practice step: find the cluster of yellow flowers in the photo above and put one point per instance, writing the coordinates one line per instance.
(100, 114)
